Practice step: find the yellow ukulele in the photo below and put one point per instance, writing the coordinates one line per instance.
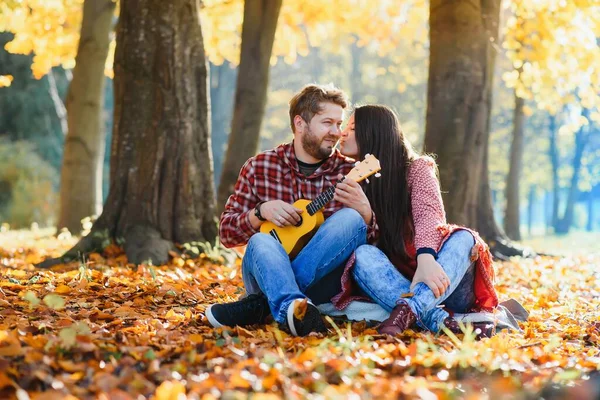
(294, 238)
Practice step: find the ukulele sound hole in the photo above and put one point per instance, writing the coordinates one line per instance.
(299, 222)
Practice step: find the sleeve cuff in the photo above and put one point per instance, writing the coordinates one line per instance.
(245, 224)
(427, 250)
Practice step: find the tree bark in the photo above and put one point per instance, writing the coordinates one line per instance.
(161, 187)
(512, 221)
(83, 157)
(461, 66)
(564, 224)
(258, 35)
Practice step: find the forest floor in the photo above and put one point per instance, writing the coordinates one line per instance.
(106, 329)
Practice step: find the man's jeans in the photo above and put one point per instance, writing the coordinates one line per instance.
(381, 281)
(267, 268)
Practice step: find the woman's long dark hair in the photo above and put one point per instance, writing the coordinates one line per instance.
(378, 132)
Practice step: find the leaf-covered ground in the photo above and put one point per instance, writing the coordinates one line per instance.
(109, 330)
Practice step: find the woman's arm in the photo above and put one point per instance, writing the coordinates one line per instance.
(427, 206)
(428, 214)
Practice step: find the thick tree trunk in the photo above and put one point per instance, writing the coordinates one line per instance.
(463, 44)
(83, 158)
(564, 224)
(161, 188)
(555, 163)
(512, 221)
(222, 91)
(258, 35)
(459, 99)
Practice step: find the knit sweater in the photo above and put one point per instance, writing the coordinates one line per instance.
(430, 233)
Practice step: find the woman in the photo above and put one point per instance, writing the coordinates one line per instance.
(422, 268)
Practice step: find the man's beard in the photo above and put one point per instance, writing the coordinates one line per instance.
(312, 145)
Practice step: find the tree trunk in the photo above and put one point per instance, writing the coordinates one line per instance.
(458, 105)
(222, 91)
(161, 188)
(83, 157)
(258, 34)
(530, 210)
(564, 224)
(512, 221)
(555, 163)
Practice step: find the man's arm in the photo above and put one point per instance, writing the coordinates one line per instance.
(238, 222)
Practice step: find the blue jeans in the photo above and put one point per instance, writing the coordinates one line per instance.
(381, 281)
(267, 268)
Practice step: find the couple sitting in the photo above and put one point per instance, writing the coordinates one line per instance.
(417, 267)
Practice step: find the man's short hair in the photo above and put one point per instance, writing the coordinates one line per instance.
(307, 102)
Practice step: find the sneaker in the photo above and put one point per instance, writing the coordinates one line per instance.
(401, 318)
(482, 329)
(251, 310)
(311, 321)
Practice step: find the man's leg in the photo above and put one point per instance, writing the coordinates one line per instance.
(330, 247)
(270, 284)
(266, 269)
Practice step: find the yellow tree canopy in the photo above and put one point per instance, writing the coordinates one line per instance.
(50, 28)
(553, 46)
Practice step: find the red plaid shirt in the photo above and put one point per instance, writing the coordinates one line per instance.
(274, 175)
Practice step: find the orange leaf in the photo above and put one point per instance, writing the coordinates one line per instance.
(300, 309)
(238, 382)
(63, 289)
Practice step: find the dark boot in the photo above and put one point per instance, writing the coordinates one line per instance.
(401, 318)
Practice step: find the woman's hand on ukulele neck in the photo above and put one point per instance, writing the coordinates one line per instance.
(281, 213)
(350, 194)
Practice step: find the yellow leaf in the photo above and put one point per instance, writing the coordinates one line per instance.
(5, 80)
(170, 390)
(196, 338)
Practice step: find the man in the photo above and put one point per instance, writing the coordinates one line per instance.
(267, 186)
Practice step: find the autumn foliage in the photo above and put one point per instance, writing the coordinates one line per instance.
(104, 328)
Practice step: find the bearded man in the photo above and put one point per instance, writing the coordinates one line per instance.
(267, 187)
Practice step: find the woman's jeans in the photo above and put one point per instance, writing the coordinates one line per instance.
(382, 282)
(267, 268)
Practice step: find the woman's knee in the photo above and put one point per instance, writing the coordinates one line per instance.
(364, 260)
(462, 237)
